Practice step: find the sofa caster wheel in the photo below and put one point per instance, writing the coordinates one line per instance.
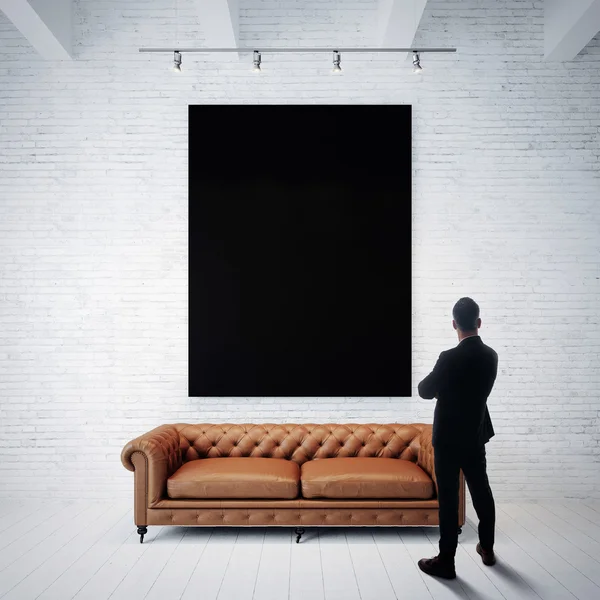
(299, 533)
(142, 530)
(459, 530)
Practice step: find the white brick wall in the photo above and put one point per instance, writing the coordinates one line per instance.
(93, 233)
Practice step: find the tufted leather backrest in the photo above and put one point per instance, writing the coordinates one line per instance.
(299, 443)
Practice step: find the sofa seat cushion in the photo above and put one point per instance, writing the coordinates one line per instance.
(234, 477)
(359, 477)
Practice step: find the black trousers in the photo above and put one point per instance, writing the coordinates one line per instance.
(448, 463)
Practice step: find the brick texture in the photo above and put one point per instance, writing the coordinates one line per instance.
(93, 229)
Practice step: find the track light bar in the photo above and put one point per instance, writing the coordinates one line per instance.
(301, 50)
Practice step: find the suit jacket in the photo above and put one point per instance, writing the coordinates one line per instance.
(462, 380)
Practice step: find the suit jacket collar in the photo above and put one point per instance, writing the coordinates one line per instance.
(471, 337)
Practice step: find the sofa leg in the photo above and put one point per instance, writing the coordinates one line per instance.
(299, 533)
(459, 530)
(142, 530)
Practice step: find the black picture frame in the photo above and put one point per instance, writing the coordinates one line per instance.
(300, 262)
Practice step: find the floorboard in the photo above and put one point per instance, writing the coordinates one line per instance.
(173, 578)
(273, 577)
(474, 581)
(23, 514)
(339, 576)
(580, 562)
(138, 582)
(371, 573)
(405, 577)
(419, 546)
(579, 519)
(68, 584)
(33, 564)
(516, 558)
(109, 576)
(521, 532)
(306, 571)
(505, 578)
(239, 580)
(207, 577)
(91, 551)
(13, 550)
(58, 566)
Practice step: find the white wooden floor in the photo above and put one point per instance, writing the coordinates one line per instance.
(87, 550)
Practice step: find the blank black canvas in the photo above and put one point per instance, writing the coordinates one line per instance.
(300, 250)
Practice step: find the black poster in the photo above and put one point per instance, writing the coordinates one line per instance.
(300, 250)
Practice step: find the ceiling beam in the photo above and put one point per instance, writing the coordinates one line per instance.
(569, 27)
(398, 21)
(220, 21)
(46, 25)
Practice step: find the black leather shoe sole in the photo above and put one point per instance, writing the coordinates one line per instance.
(488, 561)
(435, 572)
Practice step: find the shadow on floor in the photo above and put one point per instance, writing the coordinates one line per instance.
(510, 575)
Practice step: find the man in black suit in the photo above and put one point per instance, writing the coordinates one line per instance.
(462, 380)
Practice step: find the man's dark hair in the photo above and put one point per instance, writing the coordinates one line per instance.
(466, 313)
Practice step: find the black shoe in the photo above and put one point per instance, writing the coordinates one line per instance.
(488, 558)
(438, 567)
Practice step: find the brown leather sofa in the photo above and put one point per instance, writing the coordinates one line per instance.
(284, 475)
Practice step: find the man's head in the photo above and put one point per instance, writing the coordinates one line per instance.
(466, 317)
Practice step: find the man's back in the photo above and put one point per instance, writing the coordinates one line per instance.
(462, 381)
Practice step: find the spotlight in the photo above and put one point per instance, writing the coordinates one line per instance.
(417, 68)
(337, 59)
(256, 62)
(177, 62)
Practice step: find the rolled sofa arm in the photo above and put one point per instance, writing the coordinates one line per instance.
(426, 459)
(154, 456)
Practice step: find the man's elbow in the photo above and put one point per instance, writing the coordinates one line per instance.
(425, 393)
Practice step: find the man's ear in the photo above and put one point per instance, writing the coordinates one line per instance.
(454, 324)
(478, 323)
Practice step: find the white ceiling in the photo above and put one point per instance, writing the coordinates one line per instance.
(569, 25)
